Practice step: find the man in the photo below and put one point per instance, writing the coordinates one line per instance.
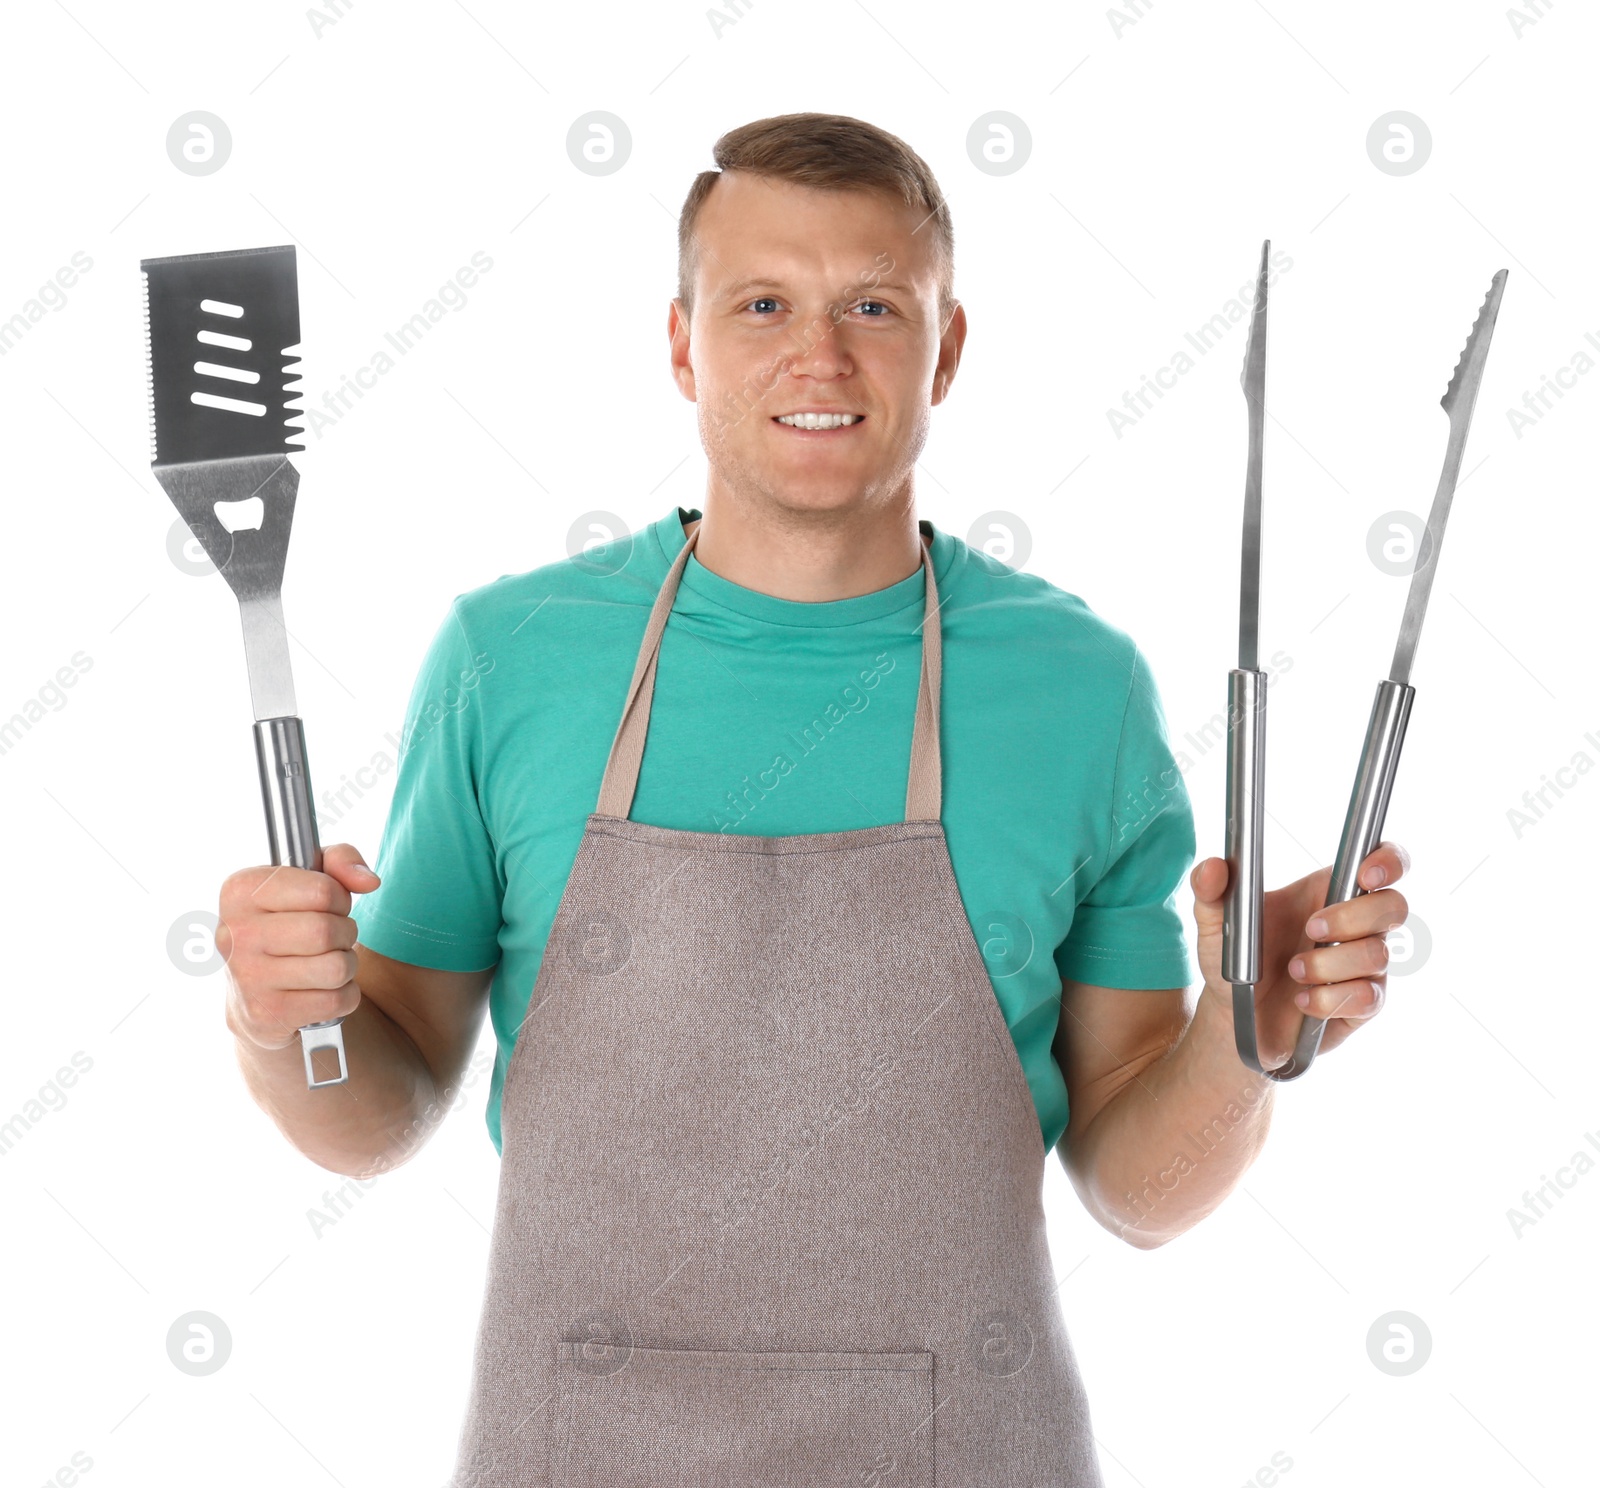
(793, 999)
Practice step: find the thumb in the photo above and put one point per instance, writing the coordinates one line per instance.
(345, 863)
(1209, 881)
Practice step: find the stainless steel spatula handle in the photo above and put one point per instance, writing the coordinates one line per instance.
(292, 839)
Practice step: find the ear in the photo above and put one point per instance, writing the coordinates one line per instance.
(678, 340)
(951, 341)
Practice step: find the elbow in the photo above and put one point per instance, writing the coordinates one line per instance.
(1135, 1228)
(1130, 1221)
(1145, 1239)
(1132, 1217)
(1139, 1231)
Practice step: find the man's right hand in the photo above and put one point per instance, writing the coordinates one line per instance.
(289, 943)
(292, 957)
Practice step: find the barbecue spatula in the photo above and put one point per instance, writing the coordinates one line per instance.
(1391, 706)
(219, 327)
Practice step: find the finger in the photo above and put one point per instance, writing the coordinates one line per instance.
(279, 888)
(306, 933)
(321, 973)
(292, 932)
(1383, 865)
(1368, 914)
(280, 1015)
(1335, 1031)
(252, 890)
(345, 863)
(1209, 880)
(1354, 1001)
(1366, 957)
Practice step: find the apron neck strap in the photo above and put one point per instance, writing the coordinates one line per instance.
(627, 748)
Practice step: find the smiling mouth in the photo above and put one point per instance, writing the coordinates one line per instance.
(819, 423)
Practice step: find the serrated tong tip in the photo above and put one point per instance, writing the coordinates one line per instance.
(1469, 368)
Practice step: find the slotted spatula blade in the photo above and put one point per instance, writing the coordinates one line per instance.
(220, 326)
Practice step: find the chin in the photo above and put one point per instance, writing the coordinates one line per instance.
(801, 497)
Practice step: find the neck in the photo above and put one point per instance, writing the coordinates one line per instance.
(831, 555)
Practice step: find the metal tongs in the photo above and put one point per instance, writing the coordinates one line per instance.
(1391, 707)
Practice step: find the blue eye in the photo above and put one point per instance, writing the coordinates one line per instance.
(771, 300)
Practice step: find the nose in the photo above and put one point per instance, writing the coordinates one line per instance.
(818, 350)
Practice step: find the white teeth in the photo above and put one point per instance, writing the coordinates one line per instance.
(819, 420)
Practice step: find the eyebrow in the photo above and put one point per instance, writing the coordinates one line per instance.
(744, 286)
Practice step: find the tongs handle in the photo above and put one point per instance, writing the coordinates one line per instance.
(1242, 909)
(1363, 825)
(1363, 829)
(292, 839)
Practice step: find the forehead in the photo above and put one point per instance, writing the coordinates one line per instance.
(759, 227)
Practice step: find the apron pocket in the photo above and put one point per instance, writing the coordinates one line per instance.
(689, 1418)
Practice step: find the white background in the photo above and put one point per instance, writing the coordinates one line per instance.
(397, 140)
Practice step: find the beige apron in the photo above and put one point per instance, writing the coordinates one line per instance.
(770, 1207)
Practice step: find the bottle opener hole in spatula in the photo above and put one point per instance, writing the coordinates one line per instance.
(219, 327)
(1386, 726)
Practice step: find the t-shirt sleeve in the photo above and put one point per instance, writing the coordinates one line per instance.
(1127, 931)
(440, 900)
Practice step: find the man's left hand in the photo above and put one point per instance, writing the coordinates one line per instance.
(1344, 983)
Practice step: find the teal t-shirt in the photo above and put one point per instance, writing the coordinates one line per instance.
(1067, 818)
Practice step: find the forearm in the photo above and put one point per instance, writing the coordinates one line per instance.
(1175, 1141)
(367, 1126)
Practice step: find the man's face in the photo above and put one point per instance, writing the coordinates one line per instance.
(812, 300)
